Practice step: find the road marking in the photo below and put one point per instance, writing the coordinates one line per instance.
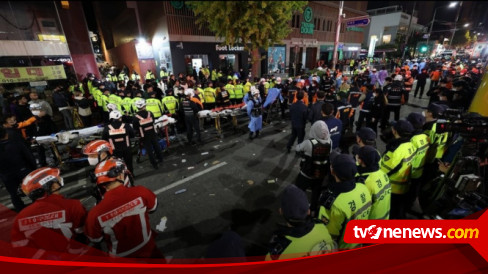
(180, 182)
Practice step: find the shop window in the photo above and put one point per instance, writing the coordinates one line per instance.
(317, 26)
(329, 25)
(386, 39)
(227, 63)
(323, 25)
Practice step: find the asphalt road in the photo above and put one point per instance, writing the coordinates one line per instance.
(228, 183)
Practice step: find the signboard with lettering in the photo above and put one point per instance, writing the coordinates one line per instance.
(228, 48)
(307, 27)
(31, 74)
(359, 22)
(356, 29)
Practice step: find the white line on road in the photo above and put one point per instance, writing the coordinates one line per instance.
(180, 182)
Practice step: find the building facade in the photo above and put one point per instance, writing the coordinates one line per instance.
(388, 23)
(38, 38)
(166, 31)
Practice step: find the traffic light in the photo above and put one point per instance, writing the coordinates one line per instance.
(423, 49)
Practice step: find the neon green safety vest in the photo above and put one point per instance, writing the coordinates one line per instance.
(214, 75)
(104, 101)
(247, 87)
(116, 100)
(398, 166)
(127, 105)
(162, 74)
(209, 95)
(437, 143)
(352, 205)
(170, 103)
(239, 91)
(421, 144)
(149, 76)
(379, 187)
(316, 242)
(123, 76)
(97, 95)
(135, 77)
(154, 105)
(230, 90)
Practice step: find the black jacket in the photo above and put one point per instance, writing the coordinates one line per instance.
(299, 114)
(315, 113)
(15, 157)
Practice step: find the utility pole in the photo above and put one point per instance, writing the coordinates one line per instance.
(408, 30)
(338, 32)
(455, 22)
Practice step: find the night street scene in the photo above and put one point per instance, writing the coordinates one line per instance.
(240, 131)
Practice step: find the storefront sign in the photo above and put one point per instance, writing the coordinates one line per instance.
(356, 29)
(229, 48)
(49, 37)
(31, 74)
(307, 27)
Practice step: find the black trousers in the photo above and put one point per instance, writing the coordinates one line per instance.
(386, 114)
(209, 106)
(315, 185)
(12, 183)
(399, 204)
(153, 149)
(296, 133)
(420, 86)
(126, 155)
(363, 115)
(283, 106)
(192, 123)
(86, 120)
(433, 84)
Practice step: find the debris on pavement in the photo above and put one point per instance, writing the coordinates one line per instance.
(206, 164)
(250, 182)
(204, 153)
(162, 225)
(190, 167)
(183, 161)
(215, 162)
(180, 191)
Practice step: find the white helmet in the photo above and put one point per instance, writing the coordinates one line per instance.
(189, 92)
(111, 107)
(254, 91)
(140, 103)
(115, 114)
(35, 106)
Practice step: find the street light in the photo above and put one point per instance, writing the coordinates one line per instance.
(451, 5)
(455, 22)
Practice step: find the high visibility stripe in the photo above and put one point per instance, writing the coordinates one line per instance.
(378, 195)
(361, 210)
(409, 158)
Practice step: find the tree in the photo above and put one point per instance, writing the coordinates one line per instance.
(468, 37)
(255, 24)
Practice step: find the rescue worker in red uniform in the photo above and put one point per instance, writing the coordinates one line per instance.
(122, 217)
(51, 221)
(118, 134)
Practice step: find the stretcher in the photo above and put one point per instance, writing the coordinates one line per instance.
(223, 112)
(66, 145)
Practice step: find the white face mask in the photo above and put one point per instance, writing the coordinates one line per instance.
(36, 112)
(92, 161)
(423, 113)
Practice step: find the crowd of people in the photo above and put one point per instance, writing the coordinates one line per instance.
(347, 181)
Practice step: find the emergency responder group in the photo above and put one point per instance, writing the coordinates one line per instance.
(364, 185)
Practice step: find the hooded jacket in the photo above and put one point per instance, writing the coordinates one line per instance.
(320, 132)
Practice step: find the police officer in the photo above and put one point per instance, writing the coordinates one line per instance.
(437, 141)
(231, 90)
(315, 157)
(127, 103)
(191, 106)
(170, 103)
(344, 199)
(397, 164)
(118, 134)
(239, 92)
(366, 137)
(115, 99)
(302, 235)
(149, 75)
(376, 181)
(394, 94)
(163, 75)
(66, 216)
(421, 143)
(135, 77)
(153, 104)
(209, 95)
(143, 123)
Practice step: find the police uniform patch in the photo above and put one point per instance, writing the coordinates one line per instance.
(386, 158)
